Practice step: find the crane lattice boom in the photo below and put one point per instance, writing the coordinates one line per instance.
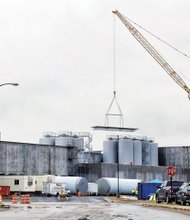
(150, 49)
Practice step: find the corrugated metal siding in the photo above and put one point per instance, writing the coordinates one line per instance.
(174, 156)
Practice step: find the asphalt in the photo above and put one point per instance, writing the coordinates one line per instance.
(93, 208)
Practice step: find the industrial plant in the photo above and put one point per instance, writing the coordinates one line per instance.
(68, 157)
(59, 157)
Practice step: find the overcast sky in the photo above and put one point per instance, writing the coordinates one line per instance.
(61, 54)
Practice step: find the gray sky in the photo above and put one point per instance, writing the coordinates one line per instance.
(61, 54)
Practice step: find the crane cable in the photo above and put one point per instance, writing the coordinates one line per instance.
(119, 113)
(114, 55)
(163, 41)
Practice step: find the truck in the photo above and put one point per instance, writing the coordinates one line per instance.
(166, 193)
(55, 189)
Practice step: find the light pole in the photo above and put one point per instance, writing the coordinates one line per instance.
(11, 84)
(118, 191)
(8, 84)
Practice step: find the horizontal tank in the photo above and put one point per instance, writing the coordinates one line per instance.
(73, 183)
(125, 151)
(47, 141)
(137, 154)
(154, 154)
(66, 141)
(108, 186)
(110, 151)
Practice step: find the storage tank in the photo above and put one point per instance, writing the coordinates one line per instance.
(125, 151)
(154, 154)
(73, 183)
(64, 141)
(47, 141)
(81, 157)
(78, 142)
(108, 186)
(110, 151)
(137, 153)
(146, 153)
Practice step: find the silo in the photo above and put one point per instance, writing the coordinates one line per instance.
(78, 142)
(66, 141)
(47, 141)
(137, 153)
(107, 186)
(154, 154)
(81, 157)
(74, 183)
(125, 151)
(146, 153)
(110, 151)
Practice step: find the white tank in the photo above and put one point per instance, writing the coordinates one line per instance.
(137, 154)
(47, 141)
(107, 186)
(110, 150)
(125, 151)
(78, 142)
(154, 154)
(66, 141)
(73, 183)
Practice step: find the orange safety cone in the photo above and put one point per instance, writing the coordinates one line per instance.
(22, 201)
(0, 199)
(14, 199)
(27, 199)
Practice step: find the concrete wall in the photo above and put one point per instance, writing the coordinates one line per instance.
(32, 159)
(174, 156)
(146, 173)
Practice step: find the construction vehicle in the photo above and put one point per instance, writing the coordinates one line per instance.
(151, 50)
(56, 189)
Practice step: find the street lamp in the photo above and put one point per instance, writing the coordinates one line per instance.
(118, 192)
(11, 84)
(8, 84)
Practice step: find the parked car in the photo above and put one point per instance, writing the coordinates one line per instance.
(164, 193)
(183, 195)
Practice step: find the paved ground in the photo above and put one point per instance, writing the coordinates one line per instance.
(86, 208)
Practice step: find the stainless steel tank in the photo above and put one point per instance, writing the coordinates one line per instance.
(137, 154)
(107, 186)
(74, 183)
(78, 142)
(47, 141)
(110, 151)
(154, 154)
(66, 141)
(125, 151)
(146, 153)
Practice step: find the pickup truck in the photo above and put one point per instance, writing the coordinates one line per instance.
(164, 192)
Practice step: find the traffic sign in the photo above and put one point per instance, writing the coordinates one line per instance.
(171, 171)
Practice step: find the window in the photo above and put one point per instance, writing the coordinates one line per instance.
(30, 181)
(16, 182)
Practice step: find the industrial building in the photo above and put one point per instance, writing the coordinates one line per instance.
(69, 154)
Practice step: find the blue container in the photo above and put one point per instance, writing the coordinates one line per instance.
(145, 190)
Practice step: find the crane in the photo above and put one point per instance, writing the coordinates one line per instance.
(153, 52)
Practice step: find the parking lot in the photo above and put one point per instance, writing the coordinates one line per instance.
(89, 208)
